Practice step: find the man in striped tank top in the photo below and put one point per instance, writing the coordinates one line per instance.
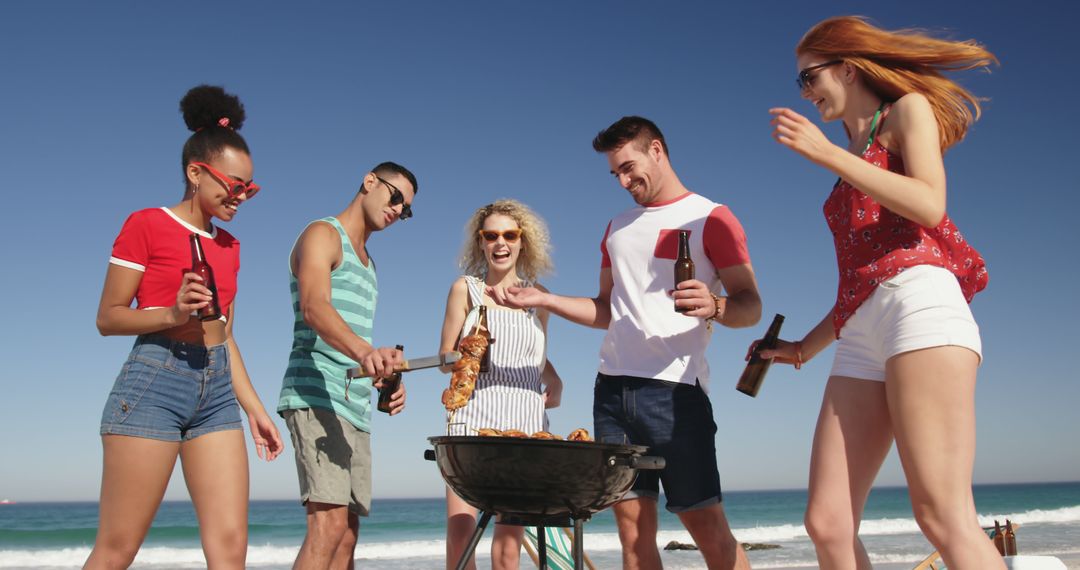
(334, 289)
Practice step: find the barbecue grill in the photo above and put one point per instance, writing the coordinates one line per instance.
(537, 482)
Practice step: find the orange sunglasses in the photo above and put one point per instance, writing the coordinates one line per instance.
(510, 236)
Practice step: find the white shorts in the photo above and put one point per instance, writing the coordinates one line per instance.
(919, 308)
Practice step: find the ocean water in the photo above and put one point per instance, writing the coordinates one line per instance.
(408, 533)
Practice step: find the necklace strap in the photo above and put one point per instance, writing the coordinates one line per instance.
(873, 128)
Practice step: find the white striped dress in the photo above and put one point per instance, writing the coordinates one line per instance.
(508, 395)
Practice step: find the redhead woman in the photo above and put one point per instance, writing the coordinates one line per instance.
(177, 394)
(506, 245)
(907, 345)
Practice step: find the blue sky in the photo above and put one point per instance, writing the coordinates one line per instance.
(501, 99)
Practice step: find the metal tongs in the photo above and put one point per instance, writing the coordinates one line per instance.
(411, 364)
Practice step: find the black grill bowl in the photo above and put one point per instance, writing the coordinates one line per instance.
(536, 479)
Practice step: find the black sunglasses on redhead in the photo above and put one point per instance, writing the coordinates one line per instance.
(396, 198)
(807, 76)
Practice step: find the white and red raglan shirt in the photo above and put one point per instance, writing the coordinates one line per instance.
(646, 337)
(155, 242)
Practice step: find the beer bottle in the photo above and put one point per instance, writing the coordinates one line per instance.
(999, 538)
(754, 373)
(199, 266)
(684, 266)
(482, 329)
(389, 386)
(1010, 539)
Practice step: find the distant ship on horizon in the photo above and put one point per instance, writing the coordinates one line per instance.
(6, 502)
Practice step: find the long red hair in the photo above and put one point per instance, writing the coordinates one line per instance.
(895, 63)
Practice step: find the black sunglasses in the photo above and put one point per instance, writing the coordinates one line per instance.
(396, 198)
(806, 77)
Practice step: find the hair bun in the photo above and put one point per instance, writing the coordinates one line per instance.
(206, 105)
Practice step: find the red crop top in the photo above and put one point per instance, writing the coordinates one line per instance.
(874, 244)
(155, 242)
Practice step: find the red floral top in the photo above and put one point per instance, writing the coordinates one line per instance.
(874, 244)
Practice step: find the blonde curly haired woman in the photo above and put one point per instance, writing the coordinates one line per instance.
(506, 244)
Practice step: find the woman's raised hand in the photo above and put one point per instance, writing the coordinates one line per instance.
(800, 134)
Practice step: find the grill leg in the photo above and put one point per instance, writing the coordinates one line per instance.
(541, 548)
(480, 526)
(579, 548)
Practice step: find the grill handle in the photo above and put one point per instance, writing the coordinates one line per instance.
(429, 454)
(637, 462)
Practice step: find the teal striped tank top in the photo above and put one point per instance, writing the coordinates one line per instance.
(315, 377)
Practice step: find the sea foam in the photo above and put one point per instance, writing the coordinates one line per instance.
(595, 542)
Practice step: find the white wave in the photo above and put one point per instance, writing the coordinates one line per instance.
(59, 558)
(410, 549)
(880, 527)
(154, 556)
(192, 557)
(770, 533)
(283, 555)
(894, 526)
(1063, 515)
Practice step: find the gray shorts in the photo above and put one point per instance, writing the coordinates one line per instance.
(333, 459)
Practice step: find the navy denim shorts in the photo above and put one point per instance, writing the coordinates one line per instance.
(172, 391)
(676, 422)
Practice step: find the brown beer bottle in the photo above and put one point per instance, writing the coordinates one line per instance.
(482, 329)
(684, 266)
(754, 373)
(389, 386)
(999, 538)
(199, 266)
(1010, 539)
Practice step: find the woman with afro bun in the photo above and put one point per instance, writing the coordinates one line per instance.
(177, 393)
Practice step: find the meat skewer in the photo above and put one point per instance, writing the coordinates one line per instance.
(464, 372)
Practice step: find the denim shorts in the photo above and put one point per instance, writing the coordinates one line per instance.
(921, 307)
(172, 391)
(675, 421)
